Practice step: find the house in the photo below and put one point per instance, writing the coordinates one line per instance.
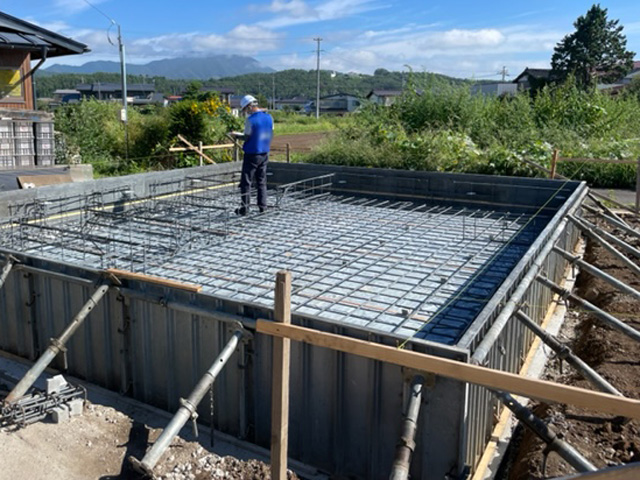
(113, 91)
(336, 104)
(494, 89)
(294, 104)
(634, 73)
(534, 78)
(20, 43)
(620, 85)
(223, 92)
(383, 97)
(65, 95)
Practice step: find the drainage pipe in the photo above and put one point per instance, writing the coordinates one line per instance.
(187, 410)
(546, 433)
(407, 444)
(56, 346)
(606, 245)
(596, 272)
(5, 271)
(484, 347)
(614, 221)
(565, 353)
(582, 224)
(601, 314)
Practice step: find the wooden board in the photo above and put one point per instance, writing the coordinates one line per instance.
(190, 287)
(31, 181)
(486, 377)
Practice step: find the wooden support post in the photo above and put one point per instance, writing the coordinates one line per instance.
(200, 148)
(554, 164)
(280, 384)
(288, 152)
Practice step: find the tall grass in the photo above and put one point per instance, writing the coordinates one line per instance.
(448, 129)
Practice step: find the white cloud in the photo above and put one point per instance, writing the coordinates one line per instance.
(297, 12)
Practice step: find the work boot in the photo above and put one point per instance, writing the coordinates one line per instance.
(241, 211)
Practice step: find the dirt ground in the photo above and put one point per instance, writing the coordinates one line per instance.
(603, 440)
(97, 444)
(300, 142)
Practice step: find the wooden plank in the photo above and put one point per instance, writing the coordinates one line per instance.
(280, 379)
(195, 149)
(486, 377)
(222, 146)
(596, 160)
(32, 181)
(190, 287)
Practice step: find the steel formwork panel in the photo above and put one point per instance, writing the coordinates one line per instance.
(386, 257)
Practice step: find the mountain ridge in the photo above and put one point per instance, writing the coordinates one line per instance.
(196, 68)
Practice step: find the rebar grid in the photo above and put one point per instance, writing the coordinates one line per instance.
(386, 266)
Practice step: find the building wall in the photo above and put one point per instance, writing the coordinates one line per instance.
(19, 60)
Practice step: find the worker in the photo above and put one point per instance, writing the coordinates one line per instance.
(258, 131)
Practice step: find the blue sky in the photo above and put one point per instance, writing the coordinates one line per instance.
(463, 38)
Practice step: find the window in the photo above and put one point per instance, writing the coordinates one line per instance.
(10, 84)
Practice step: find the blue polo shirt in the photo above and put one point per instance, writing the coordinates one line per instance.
(258, 128)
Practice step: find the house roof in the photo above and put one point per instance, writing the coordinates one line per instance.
(16, 33)
(385, 93)
(115, 87)
(294, 100)
(537, 73)
(339, 94)
(221, 90)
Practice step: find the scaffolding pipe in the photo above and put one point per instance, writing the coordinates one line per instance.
(606, 245)
(565, 353)
(407, 444)
(582, 224)
(614, 222)
(5, 271)
(187, 410)
(546, 433)
(482, 350)
(56, 346)
(596, 272)
(600, 314)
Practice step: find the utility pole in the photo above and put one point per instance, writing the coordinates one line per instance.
(504, 73)
(273, 91)
(318, 40)
(123, 74)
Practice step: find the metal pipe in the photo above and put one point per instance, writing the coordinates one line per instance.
(589, 232)
(482, 350)
(407, 444)
(56, 346)
(546, 433)
(582, 223)
(565, 353)
(614, 222)
(5, 271)
(601, 314)
(596, 272)
(187, 410)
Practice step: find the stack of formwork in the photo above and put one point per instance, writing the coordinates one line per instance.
(45, 146)
(6, 144)
(24, 143)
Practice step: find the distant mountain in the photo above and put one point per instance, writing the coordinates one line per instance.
(175, 68)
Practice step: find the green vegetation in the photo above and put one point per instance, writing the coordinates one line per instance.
(286, 123)
(288, 83)
(448, 129)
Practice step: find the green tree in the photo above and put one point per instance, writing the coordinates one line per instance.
(192, 92)
(597, 50)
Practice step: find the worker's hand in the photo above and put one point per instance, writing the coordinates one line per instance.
(237, 134)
